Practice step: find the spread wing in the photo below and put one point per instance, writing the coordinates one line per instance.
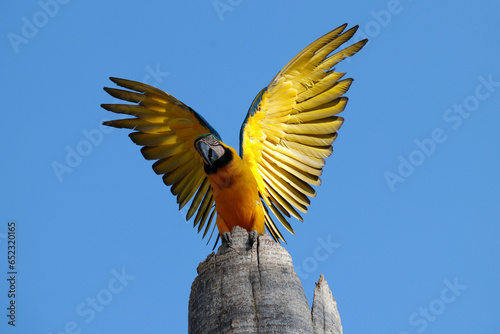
(167, 129)
(292, 123)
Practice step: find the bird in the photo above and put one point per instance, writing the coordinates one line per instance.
(285, 138)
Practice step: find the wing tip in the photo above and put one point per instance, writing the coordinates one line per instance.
(106, 106)
(363, 41)
(116, 80)
(108, 123)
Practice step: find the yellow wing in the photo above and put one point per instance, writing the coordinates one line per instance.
(292, 123)
(167, 129)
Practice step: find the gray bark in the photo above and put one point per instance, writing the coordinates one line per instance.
(254, 289)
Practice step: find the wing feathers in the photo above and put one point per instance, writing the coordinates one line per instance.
(140, 87)
(188, 191)
(300, 60)
(312, 89)
(167, 165)
(292, 168)
(282, 219)
(316, 140)
(299, 200)
(291, 159)
(154, 139)
(323, 111)
(322, 53)
(166, 128)
(195, 204)
(334, 59)
(312, 151)
(137, 124)
(283, 205)
(326, 96)
(182, 185)
(289, 179)
(324, 126)
(288, 135)
(271, 226)
(134, 110)
(159, 152)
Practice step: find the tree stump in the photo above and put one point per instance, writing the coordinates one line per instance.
(254, 289)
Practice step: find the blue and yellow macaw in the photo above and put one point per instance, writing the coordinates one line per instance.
(284, 140)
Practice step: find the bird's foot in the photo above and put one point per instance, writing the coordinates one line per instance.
(226, 238)
(252, 237)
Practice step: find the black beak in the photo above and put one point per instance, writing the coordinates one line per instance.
(206, 152)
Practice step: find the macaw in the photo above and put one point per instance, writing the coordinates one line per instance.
(286, 135)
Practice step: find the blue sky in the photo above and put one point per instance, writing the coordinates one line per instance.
(407, 212)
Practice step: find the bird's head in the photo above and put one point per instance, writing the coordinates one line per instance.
(213, 152)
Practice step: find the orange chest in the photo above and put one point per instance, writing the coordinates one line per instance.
(235, 193)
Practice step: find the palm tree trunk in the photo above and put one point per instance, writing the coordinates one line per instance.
(254, 289)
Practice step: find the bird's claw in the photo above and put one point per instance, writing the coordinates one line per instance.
(252, 237)
(226, 237)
